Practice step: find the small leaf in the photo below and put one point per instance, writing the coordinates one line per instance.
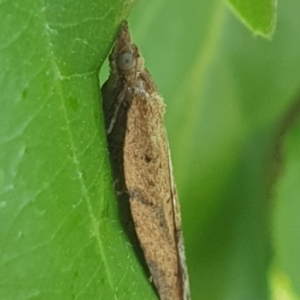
(258, 15)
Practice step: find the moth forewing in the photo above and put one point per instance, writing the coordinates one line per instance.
(140, 157)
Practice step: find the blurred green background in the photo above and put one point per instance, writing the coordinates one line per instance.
(231, 99)
(232, 120)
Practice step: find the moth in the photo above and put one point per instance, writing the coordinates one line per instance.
(140, 159)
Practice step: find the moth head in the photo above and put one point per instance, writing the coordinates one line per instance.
(126, 61)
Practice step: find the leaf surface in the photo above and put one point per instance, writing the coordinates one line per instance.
(61, 237)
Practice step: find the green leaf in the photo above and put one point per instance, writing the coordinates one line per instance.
(60, 233)
(258, 15)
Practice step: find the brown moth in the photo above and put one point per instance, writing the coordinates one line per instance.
(140, 158)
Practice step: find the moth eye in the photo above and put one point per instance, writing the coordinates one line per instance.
(126, 61)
